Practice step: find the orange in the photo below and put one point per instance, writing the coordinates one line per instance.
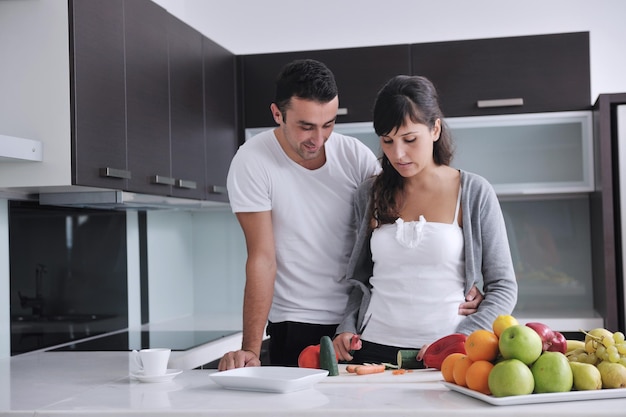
(482, 345)
(459, 370)
(448, 365)
(477, 376)
(502, 322)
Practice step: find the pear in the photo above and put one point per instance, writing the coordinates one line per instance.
(613, 374)
(586, 376)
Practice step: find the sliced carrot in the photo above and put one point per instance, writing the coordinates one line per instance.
(398, 371)
(352, 368)
(370, 369)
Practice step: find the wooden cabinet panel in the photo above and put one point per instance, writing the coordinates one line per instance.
(142, 79)
(359, 72)
(97, 74)
(186, 110)
(220, 115)
(147, 96)
(606, 219)
(549, 72)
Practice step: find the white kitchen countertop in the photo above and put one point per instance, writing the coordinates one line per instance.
(97, 384)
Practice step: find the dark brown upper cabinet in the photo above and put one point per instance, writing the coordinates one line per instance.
(186, 110)
(99, 155)
(359, 72)
(525, 74)
(220, 116)
(154, 102)
(147, 97)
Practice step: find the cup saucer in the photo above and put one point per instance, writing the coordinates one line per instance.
(167, 376)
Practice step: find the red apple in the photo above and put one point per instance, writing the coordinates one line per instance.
(544, 332)
(559, 343)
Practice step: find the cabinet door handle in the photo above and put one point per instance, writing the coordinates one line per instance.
(188, 184)
(217, 189)
(114, 173)
(342, 111)
(160, 179)
(505, 102)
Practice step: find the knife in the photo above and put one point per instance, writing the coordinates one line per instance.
(356, 339)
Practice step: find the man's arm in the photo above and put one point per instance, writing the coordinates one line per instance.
(472, 300)
(259, 290)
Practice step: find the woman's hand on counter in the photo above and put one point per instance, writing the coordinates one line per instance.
(238, 359)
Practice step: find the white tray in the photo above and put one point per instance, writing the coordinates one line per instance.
(540, 398)
(269, 378)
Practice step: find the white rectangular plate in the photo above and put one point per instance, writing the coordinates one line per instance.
(540, 398)
(279, 379)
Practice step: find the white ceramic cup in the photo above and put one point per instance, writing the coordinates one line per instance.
(152, 362)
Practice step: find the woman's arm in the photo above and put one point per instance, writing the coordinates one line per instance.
(487, 253)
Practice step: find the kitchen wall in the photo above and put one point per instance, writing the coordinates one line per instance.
(196, 264)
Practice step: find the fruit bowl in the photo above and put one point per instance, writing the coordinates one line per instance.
(551, 397)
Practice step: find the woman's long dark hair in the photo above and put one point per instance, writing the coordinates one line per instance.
(402, 97)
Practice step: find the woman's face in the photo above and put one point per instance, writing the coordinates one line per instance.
(410, 147)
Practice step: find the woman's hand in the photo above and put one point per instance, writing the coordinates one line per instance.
(344, 343)
(420, 355)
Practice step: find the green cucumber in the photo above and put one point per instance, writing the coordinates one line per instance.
(328, 358)
(407, 359)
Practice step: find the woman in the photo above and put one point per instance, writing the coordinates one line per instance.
(427, 233)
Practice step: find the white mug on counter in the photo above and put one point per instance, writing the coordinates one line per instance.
(153, 361)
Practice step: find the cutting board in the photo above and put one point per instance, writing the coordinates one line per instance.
(414, 375)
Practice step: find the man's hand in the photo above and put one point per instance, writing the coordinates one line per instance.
(238, 359)
(472, 301)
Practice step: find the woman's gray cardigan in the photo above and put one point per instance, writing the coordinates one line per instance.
(487, 256)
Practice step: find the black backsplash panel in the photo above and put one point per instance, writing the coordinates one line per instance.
(68, 274)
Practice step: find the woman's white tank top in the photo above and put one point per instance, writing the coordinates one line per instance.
(418, 282)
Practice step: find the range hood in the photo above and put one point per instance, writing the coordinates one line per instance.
(123, 200)
(20, 149)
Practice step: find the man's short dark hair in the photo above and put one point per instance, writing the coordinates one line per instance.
(307, 79)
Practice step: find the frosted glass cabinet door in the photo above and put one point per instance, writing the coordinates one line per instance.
(529, 153)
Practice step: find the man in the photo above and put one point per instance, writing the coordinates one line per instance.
(291, 189)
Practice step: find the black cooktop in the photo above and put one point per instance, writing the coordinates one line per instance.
(142, 339)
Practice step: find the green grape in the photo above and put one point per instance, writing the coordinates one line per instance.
(601, 352)
(614, 357)
(621, 348)
(608, 341)
(622, 360)
(618, 337)
(590, 346)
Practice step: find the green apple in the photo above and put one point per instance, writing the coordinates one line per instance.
(520, 342)
(511, 377)
(552, 373)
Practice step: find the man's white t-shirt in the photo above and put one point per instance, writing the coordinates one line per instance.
(311, 217)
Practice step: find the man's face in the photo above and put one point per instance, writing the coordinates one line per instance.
(304, 129)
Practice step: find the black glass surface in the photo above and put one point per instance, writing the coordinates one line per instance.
(68, 274)
(143, 339)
